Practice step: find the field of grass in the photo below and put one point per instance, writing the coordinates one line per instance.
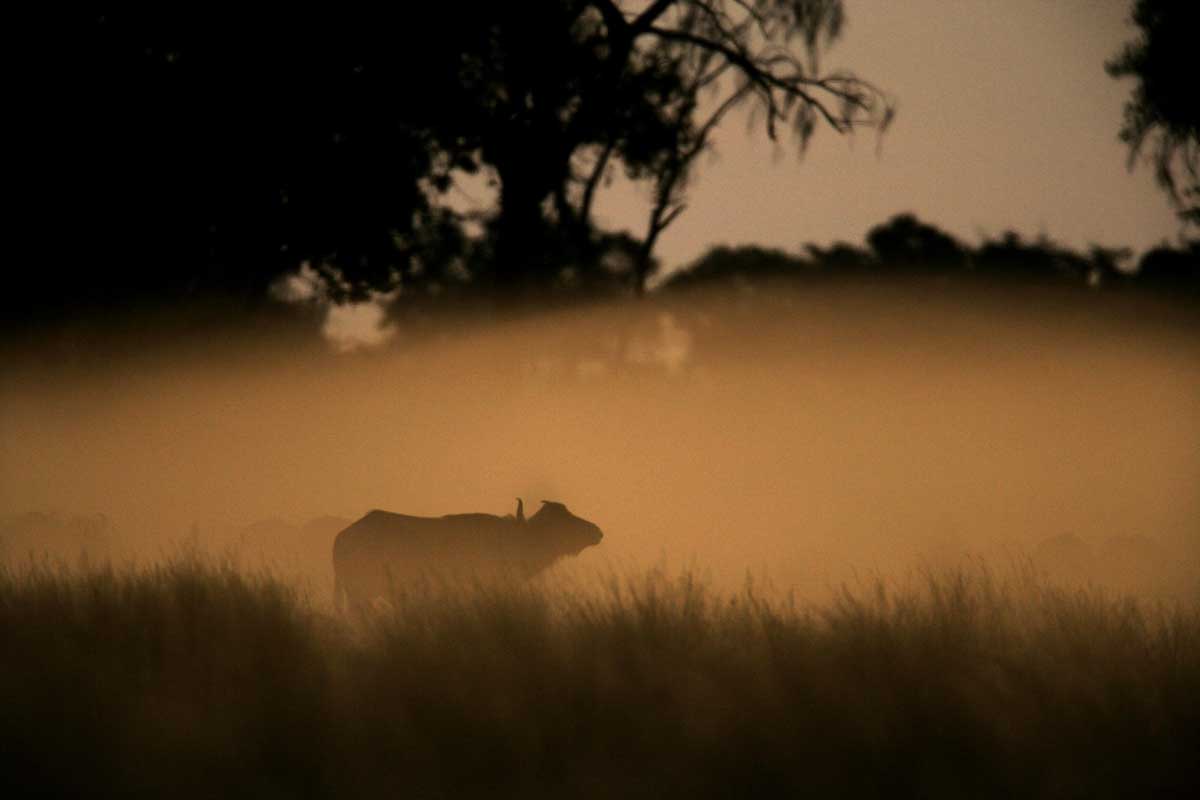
(191, 678)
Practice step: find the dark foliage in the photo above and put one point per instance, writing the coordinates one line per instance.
(904, 242)
(1164, 113)
(1170, 268)
(746, 262)
(180, 153)
(176, 154)
(904, 246)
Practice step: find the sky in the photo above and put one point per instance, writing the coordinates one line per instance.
(1007, 120)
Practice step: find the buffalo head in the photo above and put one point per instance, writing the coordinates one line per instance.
(562, 531)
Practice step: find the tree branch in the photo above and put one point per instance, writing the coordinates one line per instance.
(647, 17)
(589, 190)
(768, 81)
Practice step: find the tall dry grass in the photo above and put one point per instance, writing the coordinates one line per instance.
(193, 678)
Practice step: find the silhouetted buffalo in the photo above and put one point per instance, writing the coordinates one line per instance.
(383, 549)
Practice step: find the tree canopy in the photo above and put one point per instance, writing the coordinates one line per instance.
(569, 87)
(1163, 115)
(176, 153)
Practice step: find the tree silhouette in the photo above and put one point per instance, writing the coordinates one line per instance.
(905, 242)
(906, 247)
(1164, 112)
(1012, 258)
(558, 92)
(183, 153)
(1171, 269)
(177, 154)
(748, 264)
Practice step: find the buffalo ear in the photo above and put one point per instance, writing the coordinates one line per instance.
(520, 510)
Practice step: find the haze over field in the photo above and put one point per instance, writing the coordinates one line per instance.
(804, 433)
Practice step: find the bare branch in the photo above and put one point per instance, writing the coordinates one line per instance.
(754, 13)
(589, 191)
(741, 60)
(613, 17)
(671, 216)
(647, 17)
